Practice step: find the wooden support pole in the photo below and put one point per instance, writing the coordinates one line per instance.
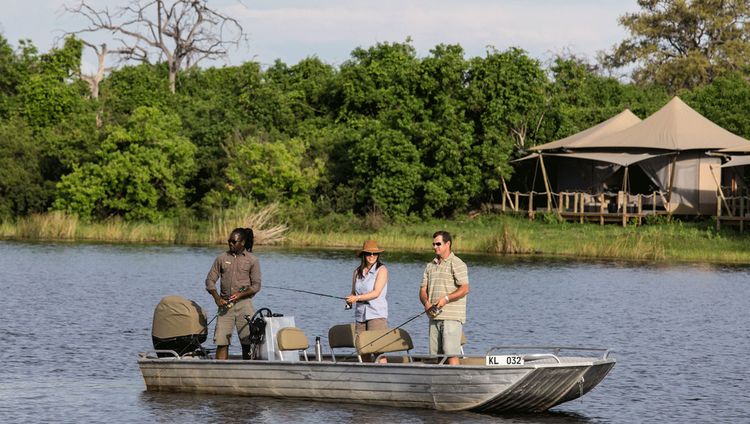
(671, 182)
(507, 194)
(741, 214)
(581, 208)
(546, 183)
(601, 208)
(531, 205)
(718, 212)
(504, 191)
(517, 208)
(640, 209)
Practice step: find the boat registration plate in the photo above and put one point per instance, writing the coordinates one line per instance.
(495, 360)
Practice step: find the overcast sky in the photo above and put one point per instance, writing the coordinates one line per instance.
(291, 30)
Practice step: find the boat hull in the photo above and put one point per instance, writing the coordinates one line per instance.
(418, 385)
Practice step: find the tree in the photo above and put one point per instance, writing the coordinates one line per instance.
(22, 186)
(381, 82)
(683, 44)
(140, 171)
(725, 102)
(581, 97)
(130, 87)
(181, 32)
(386, 170)
(14, 69)
(508, 96)
(272, 171)
(49, 93)
(308, 87)
(444, 135)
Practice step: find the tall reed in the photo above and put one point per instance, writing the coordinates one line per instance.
(246, 215)
(49, 226)
(508, 241)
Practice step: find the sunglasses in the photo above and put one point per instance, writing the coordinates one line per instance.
(370, 254)
(438, 244)
(233, 241)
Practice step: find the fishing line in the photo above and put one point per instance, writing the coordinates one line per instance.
(314, 293)
(303, 291)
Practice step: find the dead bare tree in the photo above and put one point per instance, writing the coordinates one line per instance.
(180, 32)
(96, 78)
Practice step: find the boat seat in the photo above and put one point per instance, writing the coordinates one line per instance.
(292, 338)
(384, 341)
(342, 336)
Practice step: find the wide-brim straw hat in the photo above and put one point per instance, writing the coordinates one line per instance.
(370, 246)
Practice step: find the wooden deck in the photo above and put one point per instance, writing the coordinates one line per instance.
(620, 207)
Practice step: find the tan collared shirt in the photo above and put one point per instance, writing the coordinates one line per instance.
(442, 278)
(235, 271)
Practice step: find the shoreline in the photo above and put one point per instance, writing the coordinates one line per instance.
(489, 235)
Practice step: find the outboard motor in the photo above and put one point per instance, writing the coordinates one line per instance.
(179, 325)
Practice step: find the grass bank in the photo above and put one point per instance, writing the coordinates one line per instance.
(673, 241)
(59, 226)
(663, 241)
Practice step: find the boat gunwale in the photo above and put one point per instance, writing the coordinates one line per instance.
(567, 362)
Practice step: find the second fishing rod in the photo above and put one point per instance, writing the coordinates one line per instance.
(346, 305)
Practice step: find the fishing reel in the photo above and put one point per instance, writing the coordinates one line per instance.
(230, 304)
(348, 306)
(227, 306)
(434, 311)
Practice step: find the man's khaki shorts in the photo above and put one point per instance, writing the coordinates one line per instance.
(445, 337)
(234, 318)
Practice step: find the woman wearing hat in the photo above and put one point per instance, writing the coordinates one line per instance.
(369, 288)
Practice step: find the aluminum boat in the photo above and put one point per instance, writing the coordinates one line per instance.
(506, 378)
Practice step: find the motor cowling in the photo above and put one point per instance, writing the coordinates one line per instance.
(179, 324)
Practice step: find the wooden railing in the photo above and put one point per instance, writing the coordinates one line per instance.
(580, 206)
(734, 210)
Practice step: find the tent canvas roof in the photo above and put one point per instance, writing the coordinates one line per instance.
(737, 161)
(623, 159)
(584, 139)
(676, 127)
(737, 149)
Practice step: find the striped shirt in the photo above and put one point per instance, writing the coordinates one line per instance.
(442, 278)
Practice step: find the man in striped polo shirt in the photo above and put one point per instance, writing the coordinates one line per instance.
(445, 284)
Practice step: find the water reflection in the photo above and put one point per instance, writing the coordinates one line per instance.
(175, 407)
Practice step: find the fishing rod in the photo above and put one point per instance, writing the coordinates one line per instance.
(348, 306)
(433, 311)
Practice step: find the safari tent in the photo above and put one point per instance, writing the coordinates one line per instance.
(667, 153)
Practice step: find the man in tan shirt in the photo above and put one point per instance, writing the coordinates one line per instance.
(445, 284)
(239, 271)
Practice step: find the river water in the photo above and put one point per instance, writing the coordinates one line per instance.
(74, 316)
